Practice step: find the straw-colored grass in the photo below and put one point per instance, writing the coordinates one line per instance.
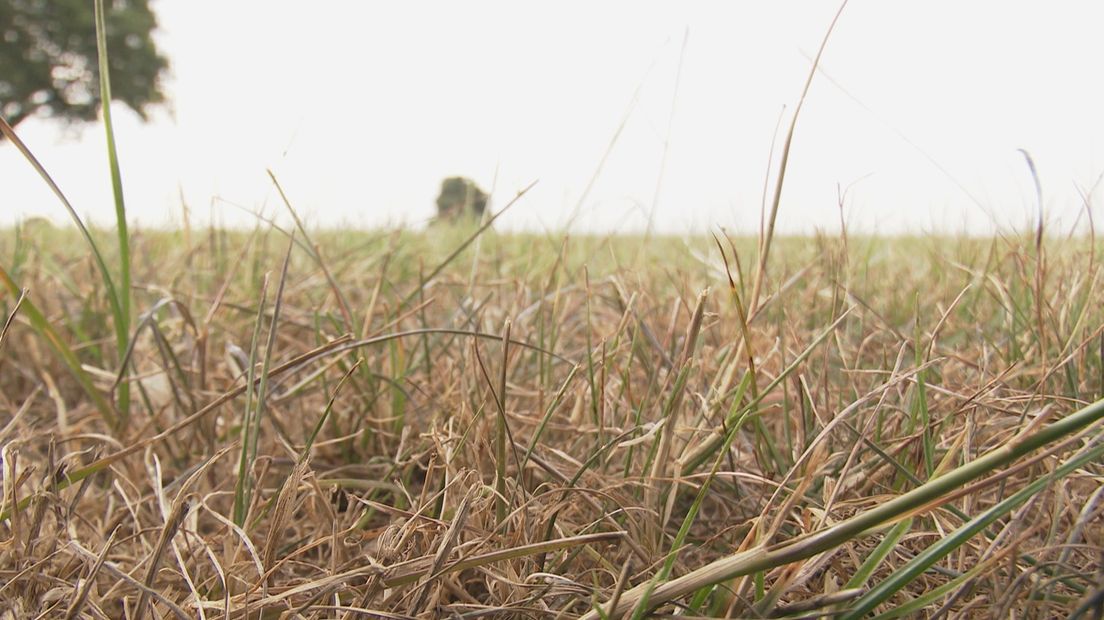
(311, 424)
(646, 441)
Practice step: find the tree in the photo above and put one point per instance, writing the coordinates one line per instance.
(460, 198)
(48, 60)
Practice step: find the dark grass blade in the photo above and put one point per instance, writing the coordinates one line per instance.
(11, 315)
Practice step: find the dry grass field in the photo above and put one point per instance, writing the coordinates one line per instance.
(293, 423)
(549, 427)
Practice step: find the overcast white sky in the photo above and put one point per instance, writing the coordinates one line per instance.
(361, 108)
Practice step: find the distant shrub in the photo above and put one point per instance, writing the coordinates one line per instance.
(460, 199)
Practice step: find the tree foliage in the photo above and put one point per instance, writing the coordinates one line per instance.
(460, 197)
(48, 58)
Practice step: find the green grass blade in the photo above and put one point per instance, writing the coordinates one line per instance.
(243, 486)
(549, 410)
(902, 576)
(105, 274)
(122, 317)
(329, 407)
(251, 425)
(909, 609)
(880, 552)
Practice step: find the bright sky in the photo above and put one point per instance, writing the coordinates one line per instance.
(361, 108)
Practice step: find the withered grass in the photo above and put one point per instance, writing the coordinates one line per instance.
(548, 426)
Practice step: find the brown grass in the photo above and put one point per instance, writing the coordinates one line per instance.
(453, 476)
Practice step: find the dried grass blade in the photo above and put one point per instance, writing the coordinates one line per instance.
(760, 272)
(175, 520)
(42, 325)
(82, 594)
(411, 571)
(316, 255)
(448, 543)
(121, 575)
(926, 495)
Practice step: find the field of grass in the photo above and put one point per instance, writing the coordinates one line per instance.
(544, 426)
(457, 423)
